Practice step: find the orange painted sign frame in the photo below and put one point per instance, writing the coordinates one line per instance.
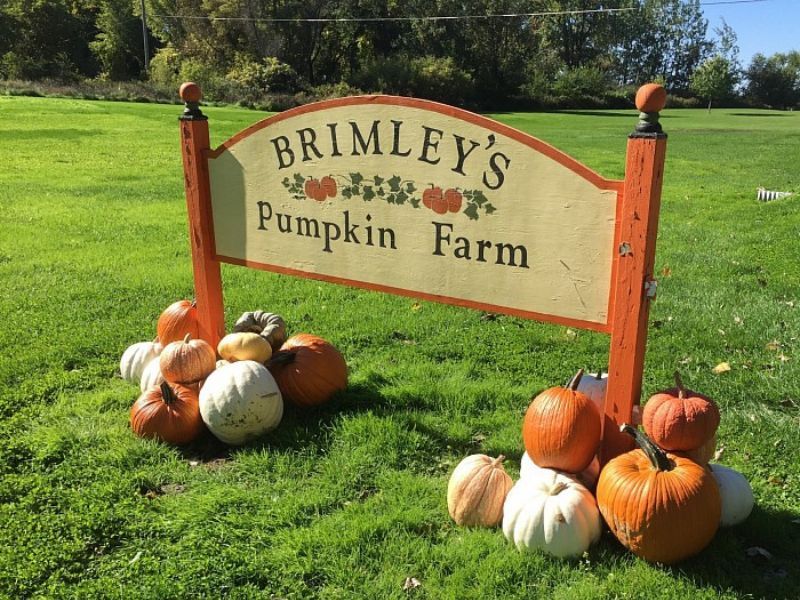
(636, 220)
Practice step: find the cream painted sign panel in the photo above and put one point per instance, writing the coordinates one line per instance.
(421, 199)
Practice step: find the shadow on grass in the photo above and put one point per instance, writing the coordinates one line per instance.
(760, 115)
(756, 559)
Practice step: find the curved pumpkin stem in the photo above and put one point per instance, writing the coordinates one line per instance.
(282, 358)
(575, 381)
(679, 385)
(187, 338)
(498, 461)
(167, 393)
(657, 456)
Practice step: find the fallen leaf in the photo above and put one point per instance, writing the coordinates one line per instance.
(136, 557)
(737, 320)
(783, 358)
(790, 304)
(718, 453)
(194, 463)
(571, 333)
(721, 331)
(774, 345)
(666, 272)
(686, 361)
(758, 552)
(411, 583)
(722, 367)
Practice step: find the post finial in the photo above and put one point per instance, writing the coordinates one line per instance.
(191, 94)
(650, 100)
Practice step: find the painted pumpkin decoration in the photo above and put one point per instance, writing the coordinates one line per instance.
(240, 402)
(588, 477)
(244, 346)
(650, 98)
(561, 429)
(662, 507)
(169, 413)
(136, 358)
(270, 326)
(552, 512)
(680, 419)
(735, 493)
(477, 490)
(308, 369)
(187, 361)
(178, 320)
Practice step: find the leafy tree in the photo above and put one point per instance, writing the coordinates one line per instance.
(775, 81)
(118, 44)
(714, 79)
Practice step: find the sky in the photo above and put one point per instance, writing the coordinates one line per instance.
(767, 27)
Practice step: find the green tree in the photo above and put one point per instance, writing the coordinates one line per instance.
(774, 81)
(714, 79)
(118, 44)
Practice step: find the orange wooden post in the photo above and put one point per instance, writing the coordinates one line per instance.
(207, 278)
(634, 282)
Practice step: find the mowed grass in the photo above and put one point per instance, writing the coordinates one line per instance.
(348, 501)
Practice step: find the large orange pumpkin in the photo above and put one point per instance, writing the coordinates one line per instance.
(680, 419)
(561, 429)
(178, 319)
(169, 413)
(308, 370)
(662, 507)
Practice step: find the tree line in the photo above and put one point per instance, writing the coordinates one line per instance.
(283, 51)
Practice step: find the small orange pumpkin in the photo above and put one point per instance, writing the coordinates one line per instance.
(662, 507)
(561, 429)
(187, 361)
(178, 319)
(680, 419)
(169, 413)
(308, 370)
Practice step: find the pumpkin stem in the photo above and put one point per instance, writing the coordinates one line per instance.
(575, 381)
(558, 488)
(498, 461)
(167, 393)
(599, 375)
(657, 456)
(187, 338)
(679, 384)
(282, 358)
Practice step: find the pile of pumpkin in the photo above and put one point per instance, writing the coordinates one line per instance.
(237, 390)
(664, 501)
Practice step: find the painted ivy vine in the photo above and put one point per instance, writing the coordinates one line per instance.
(394, 190)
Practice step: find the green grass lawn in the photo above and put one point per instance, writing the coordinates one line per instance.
(348, 501)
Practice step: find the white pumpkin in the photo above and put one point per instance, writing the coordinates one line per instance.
(552, 512)
(151, 375)
(595, 386)
(240, 401)
(222, 362)
(135, 359)
(588, 477)
(735, 493)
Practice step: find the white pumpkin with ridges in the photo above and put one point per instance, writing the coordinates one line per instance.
(735, 493)
(240, 401)
(552, 512)
(587, 477)
(135, 359)
(151, 376)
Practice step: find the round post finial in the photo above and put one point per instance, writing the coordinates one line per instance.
(650, 100)
(191, 94)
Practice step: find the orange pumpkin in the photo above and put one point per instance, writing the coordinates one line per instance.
(680, 419)
(561, 429)
(308, 370)
(187, 361)
(662, 507)
(178, 319)
(169, 413)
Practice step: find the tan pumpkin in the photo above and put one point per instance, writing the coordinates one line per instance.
(477, 490)
(187, 361)
(244, 346)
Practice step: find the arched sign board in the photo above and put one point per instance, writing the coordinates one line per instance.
(430, 201)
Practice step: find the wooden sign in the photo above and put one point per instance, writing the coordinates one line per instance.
(426, 200)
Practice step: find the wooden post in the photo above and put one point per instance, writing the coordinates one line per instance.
(207, 278)
(635, 284)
